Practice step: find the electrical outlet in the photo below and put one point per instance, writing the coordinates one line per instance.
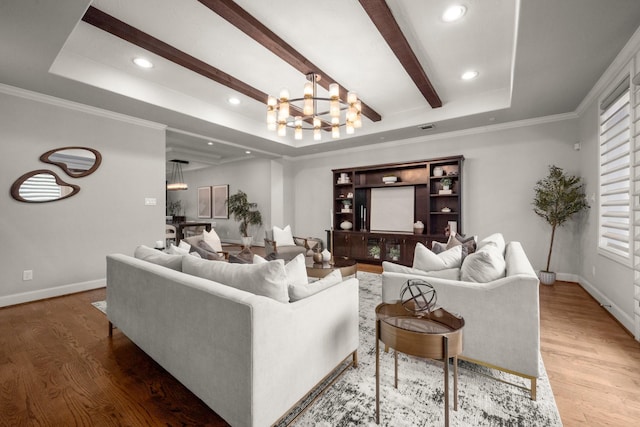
(27, 275)
(150, 201)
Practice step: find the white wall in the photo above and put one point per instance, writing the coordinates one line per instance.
(253, 176)
(500, 170)
(65, 242)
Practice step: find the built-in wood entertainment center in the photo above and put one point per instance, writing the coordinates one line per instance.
(392, 198)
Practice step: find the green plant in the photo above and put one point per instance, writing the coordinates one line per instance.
(557, 198)
(244, 211)
(394, 252)
(374, 251)
(446, 182)
(175, 207)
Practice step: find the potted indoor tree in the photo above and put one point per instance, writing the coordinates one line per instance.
(557, 198)
(246, 213)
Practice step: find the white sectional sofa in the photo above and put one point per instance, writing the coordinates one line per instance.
(249, 357)
(502, 316)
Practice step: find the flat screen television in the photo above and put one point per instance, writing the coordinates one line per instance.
(392, 209)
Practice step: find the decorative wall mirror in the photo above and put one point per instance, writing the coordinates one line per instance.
(74, 161)
(40, 186)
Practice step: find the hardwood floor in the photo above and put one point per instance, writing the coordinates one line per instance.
(58, 367)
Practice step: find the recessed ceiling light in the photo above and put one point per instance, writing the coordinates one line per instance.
(209, 143)
(233, 100)
(247, 152)
(453, 13)
(142, 62)
(469, 75)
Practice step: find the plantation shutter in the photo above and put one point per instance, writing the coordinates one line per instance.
(615, 164)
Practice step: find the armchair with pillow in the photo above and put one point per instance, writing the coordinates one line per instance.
(494, 288)
(282, 243)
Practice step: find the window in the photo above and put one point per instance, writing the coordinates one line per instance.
(615, 166)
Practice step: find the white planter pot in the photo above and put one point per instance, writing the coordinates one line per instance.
(246, 241)
(547, 277)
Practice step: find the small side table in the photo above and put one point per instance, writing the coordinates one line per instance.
(435, 335)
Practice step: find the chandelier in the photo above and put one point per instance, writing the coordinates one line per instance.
(313, 113)
(176, 182)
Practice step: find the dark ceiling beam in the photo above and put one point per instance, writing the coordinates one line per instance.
(114, 26)
(241, 19)
(383, 19)
(131, 34)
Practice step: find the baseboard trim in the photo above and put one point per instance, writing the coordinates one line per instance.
(619, 315)
(57, 291)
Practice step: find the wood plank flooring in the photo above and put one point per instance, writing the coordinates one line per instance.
(59, 368)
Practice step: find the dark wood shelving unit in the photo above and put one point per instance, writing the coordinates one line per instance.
(352, 196)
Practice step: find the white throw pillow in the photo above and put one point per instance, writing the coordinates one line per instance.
(283, 236)
(424, 259)
(184, 245)
(176, 250)
(212, 239)
(447, 273)
(298, 292)
(266, 279)
(155, 256)
(496, 238)
(296, 269)
(484, 265)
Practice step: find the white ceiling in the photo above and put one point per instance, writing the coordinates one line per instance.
(535, 58)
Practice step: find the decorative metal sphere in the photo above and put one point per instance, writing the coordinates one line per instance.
(418, 296)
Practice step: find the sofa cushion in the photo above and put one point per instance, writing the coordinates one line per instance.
(426, 260)
(447, 273)
(266, 279)
(485, 265)
(296, 269)
(496, 238)
(283, 236)
(298, 292)
(212, 239)
(155, 256)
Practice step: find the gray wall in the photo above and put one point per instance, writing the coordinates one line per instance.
(65, 242)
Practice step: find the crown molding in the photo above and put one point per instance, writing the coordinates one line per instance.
(445, 135)
(71, 105)
(622, 60)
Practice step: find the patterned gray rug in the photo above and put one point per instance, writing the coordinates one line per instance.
(418, 401)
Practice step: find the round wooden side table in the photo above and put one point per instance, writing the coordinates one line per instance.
(435, 335)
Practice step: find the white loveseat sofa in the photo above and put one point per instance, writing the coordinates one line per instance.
(502, 316)
(249, 357)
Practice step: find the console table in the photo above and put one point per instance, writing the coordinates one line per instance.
(435, 335)
(180, 226)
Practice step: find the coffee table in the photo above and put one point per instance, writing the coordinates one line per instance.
(435, 335)
(346, 266)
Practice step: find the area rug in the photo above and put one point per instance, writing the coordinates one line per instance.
(419, 399)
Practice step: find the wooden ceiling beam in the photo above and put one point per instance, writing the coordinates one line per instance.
(249, 25)
(131, 34)
(383, 19)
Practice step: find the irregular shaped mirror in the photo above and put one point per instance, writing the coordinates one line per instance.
(74, 161)
(41, 186)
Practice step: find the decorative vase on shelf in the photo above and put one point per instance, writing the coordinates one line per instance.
(317, 257)
(438, 171)
(418, 227)
(326, 256)
(346, 225)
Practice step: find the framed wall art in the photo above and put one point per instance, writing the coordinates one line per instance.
(204, 202)
(220, 196)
